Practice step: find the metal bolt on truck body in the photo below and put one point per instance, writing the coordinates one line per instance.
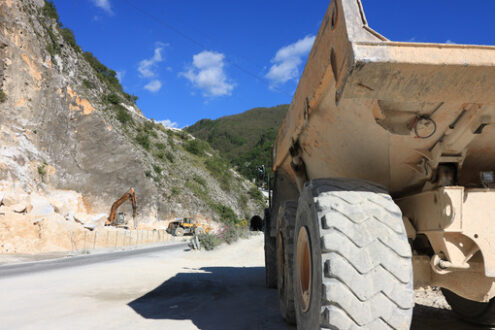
(387, 153)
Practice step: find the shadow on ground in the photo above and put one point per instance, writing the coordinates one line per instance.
(215, 298)
(426, 318)
(235, 298)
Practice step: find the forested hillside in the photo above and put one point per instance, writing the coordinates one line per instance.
(244, 139)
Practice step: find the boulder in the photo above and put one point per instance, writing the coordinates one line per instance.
(90, 226)
(66, 201)
(81, 218)
(99, 219)
(12, 198)
(19, 208)
(40, 206)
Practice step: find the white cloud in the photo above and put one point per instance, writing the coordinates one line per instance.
(449, 42)
(147, 66)
(168, 123)
(287, 60)
(207, 74)
(104, 4)
(153, 86)
(121, 75)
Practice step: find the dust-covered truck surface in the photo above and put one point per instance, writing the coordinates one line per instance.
(384, 180)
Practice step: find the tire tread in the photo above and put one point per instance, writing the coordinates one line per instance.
(367, 280)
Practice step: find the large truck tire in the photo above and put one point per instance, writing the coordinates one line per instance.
(352, 260)
(286, 222)
(270, 255)
(482, 313)
(179, 232)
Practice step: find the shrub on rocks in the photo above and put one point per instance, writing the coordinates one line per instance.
(209, 241)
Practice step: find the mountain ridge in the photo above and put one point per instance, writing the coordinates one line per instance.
(244, 139)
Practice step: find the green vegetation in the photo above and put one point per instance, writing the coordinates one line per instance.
(159, 155)
(124, 116)
(143, 140)
(197, 189)
(199, 180)
(160, 146)
(164, 155)
(255, 194)
(226, 214)
(171, 141)
(220, 170)
(69, 38)
(49, 10)
(175, 191)
(246, 139)
(197, 147)
(170, 156)
(88, 84)
(148, 127)
(232, 233)
(158, 170)
(41, 171)
(3, 96)
(105, 74)
(209, 241)
(52, 48)
(229, 234)
(243, 201)
(113, 98)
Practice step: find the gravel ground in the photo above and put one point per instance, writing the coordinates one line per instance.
(222, 289)
(433, 312)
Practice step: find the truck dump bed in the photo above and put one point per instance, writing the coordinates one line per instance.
(389, 112)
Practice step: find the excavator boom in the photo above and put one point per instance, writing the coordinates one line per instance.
(113, 211)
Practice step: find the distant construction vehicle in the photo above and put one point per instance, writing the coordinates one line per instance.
(129, 195)
(187, 226)
(384, 168)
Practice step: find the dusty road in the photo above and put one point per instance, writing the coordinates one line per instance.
(223, 289)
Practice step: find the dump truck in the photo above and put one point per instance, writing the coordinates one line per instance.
(384, 180)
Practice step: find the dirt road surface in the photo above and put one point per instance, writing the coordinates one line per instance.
(223, 289)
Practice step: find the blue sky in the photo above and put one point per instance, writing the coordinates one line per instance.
(194, 59)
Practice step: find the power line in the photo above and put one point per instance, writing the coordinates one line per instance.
(203, 46)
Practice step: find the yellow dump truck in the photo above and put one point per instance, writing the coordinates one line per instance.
(384, 180)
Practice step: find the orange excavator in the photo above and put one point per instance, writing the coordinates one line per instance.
(113, 211)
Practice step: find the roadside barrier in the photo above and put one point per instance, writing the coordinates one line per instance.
(93, 240)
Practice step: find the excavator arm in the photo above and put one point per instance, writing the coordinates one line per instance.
(113, 211)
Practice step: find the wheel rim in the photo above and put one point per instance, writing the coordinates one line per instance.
(280, 259)
(303, 269)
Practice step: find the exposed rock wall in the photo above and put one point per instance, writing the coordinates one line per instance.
(58, 133)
